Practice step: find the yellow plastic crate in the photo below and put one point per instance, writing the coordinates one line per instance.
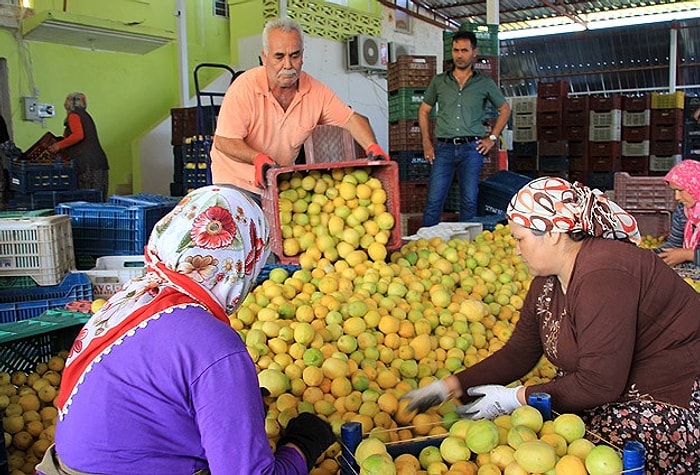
(673, 100)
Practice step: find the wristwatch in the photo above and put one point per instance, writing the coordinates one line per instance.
(493, 138)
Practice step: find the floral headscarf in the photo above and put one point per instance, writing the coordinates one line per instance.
(552, 204)
(76, 100)
(686, 176)
(206, 252)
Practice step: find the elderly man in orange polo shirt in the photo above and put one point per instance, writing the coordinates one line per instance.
(269, 111)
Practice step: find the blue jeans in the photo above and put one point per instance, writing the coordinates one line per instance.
(466, 161)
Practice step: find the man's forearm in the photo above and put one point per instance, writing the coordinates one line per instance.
(235, 149)
(360, 129)
(502, 120)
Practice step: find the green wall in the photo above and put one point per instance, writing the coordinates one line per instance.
(128, 94)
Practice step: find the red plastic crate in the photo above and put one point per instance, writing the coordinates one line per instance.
(386, 171)
(552, 89)
(576, 104)
(604, 104)
(643, 192)
(413, 195)
(39, 152)
(636, 103)
(636, 134)
(666, 117)
(653, 222)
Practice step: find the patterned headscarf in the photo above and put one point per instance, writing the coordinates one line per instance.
(76, 100)
(686, 176)
(206, 252)
(555, 205)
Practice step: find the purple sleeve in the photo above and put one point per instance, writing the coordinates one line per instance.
(230, 415)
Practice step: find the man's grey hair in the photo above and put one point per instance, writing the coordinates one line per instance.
(286, 25)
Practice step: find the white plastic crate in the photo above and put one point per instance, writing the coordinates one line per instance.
(636, 119)
(111, 272)
(635, 149)
(663, 164)
(604, 119)
(39, 247)
(608, 133)
(524, 105)
(525, 134)
(524, 120)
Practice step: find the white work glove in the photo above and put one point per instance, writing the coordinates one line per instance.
(428, 396)
(495, 401)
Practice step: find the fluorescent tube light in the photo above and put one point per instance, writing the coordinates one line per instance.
(643, 19)
(541, 31)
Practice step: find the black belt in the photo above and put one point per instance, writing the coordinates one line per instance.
(459, 140)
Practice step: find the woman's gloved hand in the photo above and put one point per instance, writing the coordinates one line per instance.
(495, 400)
(311, 434)
(428, 396)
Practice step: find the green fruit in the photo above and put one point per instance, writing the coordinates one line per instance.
(482, 436)
(603, 460)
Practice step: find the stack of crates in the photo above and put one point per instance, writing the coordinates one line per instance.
(552, 146)
(407, 79)
(576, 123)
(666, 131)
(36, 267)
(39, 179)
(120, 227)
(191, 144)
(636, 131)
(605, 138)
(523, 119)
(691, 130)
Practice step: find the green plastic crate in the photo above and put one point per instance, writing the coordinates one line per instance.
(25, 344)
(404, 103)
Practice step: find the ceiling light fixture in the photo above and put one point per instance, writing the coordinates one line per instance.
(541, 31)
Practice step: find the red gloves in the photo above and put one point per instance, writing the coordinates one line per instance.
(375, 152)
(262, 164)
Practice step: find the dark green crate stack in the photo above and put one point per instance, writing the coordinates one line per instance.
(407, 79)
(25, 344)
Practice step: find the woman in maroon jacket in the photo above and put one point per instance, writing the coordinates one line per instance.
(81, 144)
(622, 327)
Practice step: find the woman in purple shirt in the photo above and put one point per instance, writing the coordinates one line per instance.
(157, 381)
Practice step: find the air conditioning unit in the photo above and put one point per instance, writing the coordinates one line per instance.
(398, 49)
(367, 53)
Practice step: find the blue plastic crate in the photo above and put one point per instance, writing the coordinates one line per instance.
(265, 272)
(145, 199)
(21, 304)
(104, 229)
(412, 165)
(49, 199)
(26, 177)
(496, 191)
(489, 221)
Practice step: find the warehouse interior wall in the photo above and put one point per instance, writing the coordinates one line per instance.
(127, 94)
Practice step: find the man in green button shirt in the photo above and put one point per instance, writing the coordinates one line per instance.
(461, 96)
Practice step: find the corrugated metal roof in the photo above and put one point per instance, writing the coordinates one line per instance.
(632, 59)
(520, 14)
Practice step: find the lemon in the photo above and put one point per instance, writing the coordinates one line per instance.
(97, 304)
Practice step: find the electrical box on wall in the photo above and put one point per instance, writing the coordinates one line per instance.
(37, 111)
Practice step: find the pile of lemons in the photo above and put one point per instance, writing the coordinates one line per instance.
(29, 421)
(346, 340)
